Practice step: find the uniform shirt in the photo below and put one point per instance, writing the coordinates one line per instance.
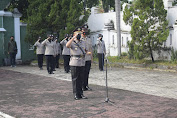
(55, 48)
(58, 48)
(40, 48)
(75, 50)
(101, 46)
(66, 51)
(50, 47)
(88, 57)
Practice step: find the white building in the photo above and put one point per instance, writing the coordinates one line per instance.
(97, 22)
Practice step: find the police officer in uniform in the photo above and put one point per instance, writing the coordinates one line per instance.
(101, 50)
(77, 63)
(88, 58)
(66, 53)
(58, 52)
(55, 52)
(40, 52)
(49, 53)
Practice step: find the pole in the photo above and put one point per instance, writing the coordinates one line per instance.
(117, 8)
(107, 98)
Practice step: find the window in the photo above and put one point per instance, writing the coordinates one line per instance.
(112, 39)
(165, 44)
(170, 39)
(127, 42)
(122, 41)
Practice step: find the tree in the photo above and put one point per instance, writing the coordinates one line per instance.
(108, 4)
(74, 14)
(54, 16)
(21, 5)
(149, 27)
(38, 15)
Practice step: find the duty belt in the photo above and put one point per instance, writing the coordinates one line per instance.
(79, 56)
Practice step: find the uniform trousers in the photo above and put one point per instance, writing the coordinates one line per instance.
(57, 61)
(40, 60)
(101, 60)
(66, 63)
(49, 61)
(54, 62)
(12, 58)
(86, 73)
(77, 74)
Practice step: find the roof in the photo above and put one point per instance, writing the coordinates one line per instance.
(2, 30)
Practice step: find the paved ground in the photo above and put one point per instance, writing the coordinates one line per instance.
(27, 92)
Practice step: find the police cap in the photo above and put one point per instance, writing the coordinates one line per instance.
(78, 30)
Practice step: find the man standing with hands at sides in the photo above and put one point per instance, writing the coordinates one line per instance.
(77, 63)
(40, 52)
(66, 53)
(58, 52)
(88, 58)
(101, 50)
(12, 51)
(49, 53)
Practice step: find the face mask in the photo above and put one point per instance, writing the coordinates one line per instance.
(49, 40)
(78, 37)
(101, 39)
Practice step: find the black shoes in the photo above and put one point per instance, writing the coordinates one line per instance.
(50, 72)
(83, 97)
(76, 97)
(87, 88)
(80, 97)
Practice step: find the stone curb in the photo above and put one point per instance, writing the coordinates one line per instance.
(136, 66)
(3, 115)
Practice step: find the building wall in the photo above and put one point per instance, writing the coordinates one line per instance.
(9, 26)
(96, 23)
(7, 23)
(1, 48)
(26, 53)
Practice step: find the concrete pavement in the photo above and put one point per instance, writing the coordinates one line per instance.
(27, 92)
(151, 82)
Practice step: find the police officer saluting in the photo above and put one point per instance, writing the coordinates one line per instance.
(49, 53)
(66, 53)
(40, 52)
(77, 63)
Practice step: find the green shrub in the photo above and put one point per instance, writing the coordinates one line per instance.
(124, 54)
(173, 55)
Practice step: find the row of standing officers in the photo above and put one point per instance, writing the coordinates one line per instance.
(77, 55)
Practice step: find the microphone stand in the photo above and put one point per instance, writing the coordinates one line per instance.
(107, 100)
